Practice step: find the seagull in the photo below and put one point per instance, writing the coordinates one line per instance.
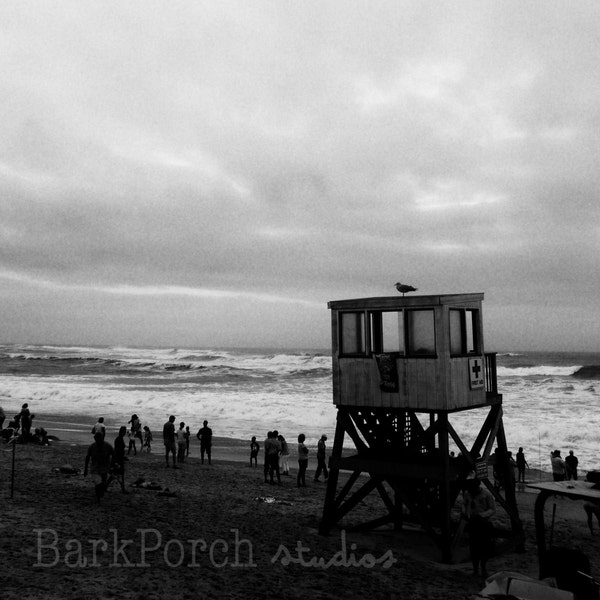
(403, 288)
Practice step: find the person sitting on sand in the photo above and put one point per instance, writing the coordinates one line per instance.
(558, 466)
(478, 508)
(169, 440)
(302, 461)
(180, 435)
(100, 455)
(147, 439)
(118, 462)
(254, 450)
(205, 436)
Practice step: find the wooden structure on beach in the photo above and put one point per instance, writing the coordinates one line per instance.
(401, 367)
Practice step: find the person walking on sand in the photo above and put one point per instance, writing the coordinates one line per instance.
(254, 450)
(571, 464)
(558, 466)
(147, 439)
(521, 465)
(100, 455)
(478, 508)
(302, 461)
(180, 435)
(169, 440)
(118, 461)
(2, 418)
(321, 456)
(205, 436)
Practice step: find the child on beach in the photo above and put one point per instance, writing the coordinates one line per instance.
(147, 439)
(254, 449)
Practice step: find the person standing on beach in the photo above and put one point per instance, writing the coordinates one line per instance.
(266, 444)
(26, 418)
(521, 465)
(302, 461)
(100, 455)
(118, 461)
(284, 466)
(478, 508)
(205, 436)
(254, 450)
(136, 430)
(272, 452)
(571, 464)
(147, 439)
(187, 436)
(558, 466)
(180, 435)
(169, 440)
(321, 456)
(2, 418)
(131, 444)
(99, 427)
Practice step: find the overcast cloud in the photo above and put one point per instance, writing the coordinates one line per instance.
(212, 173)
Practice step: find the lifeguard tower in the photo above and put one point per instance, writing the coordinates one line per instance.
(401, 367)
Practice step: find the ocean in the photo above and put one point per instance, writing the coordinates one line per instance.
(550, 400)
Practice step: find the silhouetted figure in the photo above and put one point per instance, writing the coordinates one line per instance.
(169, 440)
(26, 419)
(321, 456)
(118, 461)
(571, 464)
(272, 451)
(478, 509)
(147, 439)
(181, 443)
(254, 450)
(100, 455)
(521, 465)
(302, 461)
(205, 436)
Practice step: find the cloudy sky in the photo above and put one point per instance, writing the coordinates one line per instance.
(213, 172)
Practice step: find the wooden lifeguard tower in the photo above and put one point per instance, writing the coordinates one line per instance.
(401, 366)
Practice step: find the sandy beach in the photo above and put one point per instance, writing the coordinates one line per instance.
(218, 531)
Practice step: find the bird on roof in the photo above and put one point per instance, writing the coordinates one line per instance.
(403, 288)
